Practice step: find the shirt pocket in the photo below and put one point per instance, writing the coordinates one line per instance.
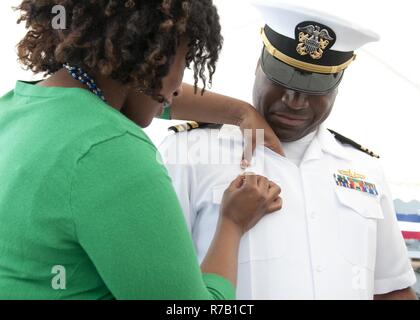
(358, 216)
(266, 241)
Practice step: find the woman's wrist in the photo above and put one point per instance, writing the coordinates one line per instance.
(230, 227)
(243, 112)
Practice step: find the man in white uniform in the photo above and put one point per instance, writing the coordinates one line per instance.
(337, 236)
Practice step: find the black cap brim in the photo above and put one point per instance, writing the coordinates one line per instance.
(298, 80)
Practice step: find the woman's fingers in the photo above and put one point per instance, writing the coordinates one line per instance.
(251, 125)
(275, 205)
(249, 198)
(250, 179)
(276, 202)
(249, 149)
(271, 141)
(263, 183)
(274, 190)
(238, 182)
(275, 146)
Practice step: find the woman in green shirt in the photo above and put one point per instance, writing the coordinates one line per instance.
(86, 209)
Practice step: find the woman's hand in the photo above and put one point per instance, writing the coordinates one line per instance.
(248, 199)
(253, 121)
(245, 202)
(216, 108)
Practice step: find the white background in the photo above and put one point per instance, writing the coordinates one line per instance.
(379, 100)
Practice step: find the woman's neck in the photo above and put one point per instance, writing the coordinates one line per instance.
(115, 93)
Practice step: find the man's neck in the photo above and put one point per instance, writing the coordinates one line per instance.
(295, 151)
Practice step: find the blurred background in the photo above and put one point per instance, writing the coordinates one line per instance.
(379, 100)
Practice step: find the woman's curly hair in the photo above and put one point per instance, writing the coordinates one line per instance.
(132, 41)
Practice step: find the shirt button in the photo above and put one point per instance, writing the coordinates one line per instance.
(313, 215)
(319, 269)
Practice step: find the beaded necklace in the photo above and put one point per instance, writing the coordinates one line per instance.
(80, 75)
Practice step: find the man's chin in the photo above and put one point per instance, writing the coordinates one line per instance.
(288, 135)
(291, 134)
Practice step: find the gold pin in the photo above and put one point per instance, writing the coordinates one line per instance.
(352, 174)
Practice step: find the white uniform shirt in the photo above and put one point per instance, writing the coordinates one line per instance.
(328, 242)
(295, 151)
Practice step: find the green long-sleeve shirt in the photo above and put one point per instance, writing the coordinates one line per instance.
(87, 211)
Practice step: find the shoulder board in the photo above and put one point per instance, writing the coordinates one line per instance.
(352, 143)
(192, 125)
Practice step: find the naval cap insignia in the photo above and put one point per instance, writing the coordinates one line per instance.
(314, 39)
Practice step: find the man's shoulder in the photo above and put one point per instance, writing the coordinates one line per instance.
(354, 147)
(209, 147)
(193, 125)
(187, 139)
(363, 160)
(189, 135)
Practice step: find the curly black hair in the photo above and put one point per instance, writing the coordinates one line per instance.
(131, 41)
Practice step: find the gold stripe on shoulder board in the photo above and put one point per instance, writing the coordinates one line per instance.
(188, 126)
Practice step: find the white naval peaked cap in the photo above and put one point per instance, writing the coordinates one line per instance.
(283, 18)
(307, 50)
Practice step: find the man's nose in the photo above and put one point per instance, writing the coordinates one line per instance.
(295, 100)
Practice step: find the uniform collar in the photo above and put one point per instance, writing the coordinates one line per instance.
(329, 144)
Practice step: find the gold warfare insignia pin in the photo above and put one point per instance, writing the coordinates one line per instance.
(314, 39)
(355, 181)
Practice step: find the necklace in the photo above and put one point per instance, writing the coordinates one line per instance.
(80, 75)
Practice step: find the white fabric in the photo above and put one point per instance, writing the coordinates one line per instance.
(296, 150)
(283, 18)
(328, 242)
